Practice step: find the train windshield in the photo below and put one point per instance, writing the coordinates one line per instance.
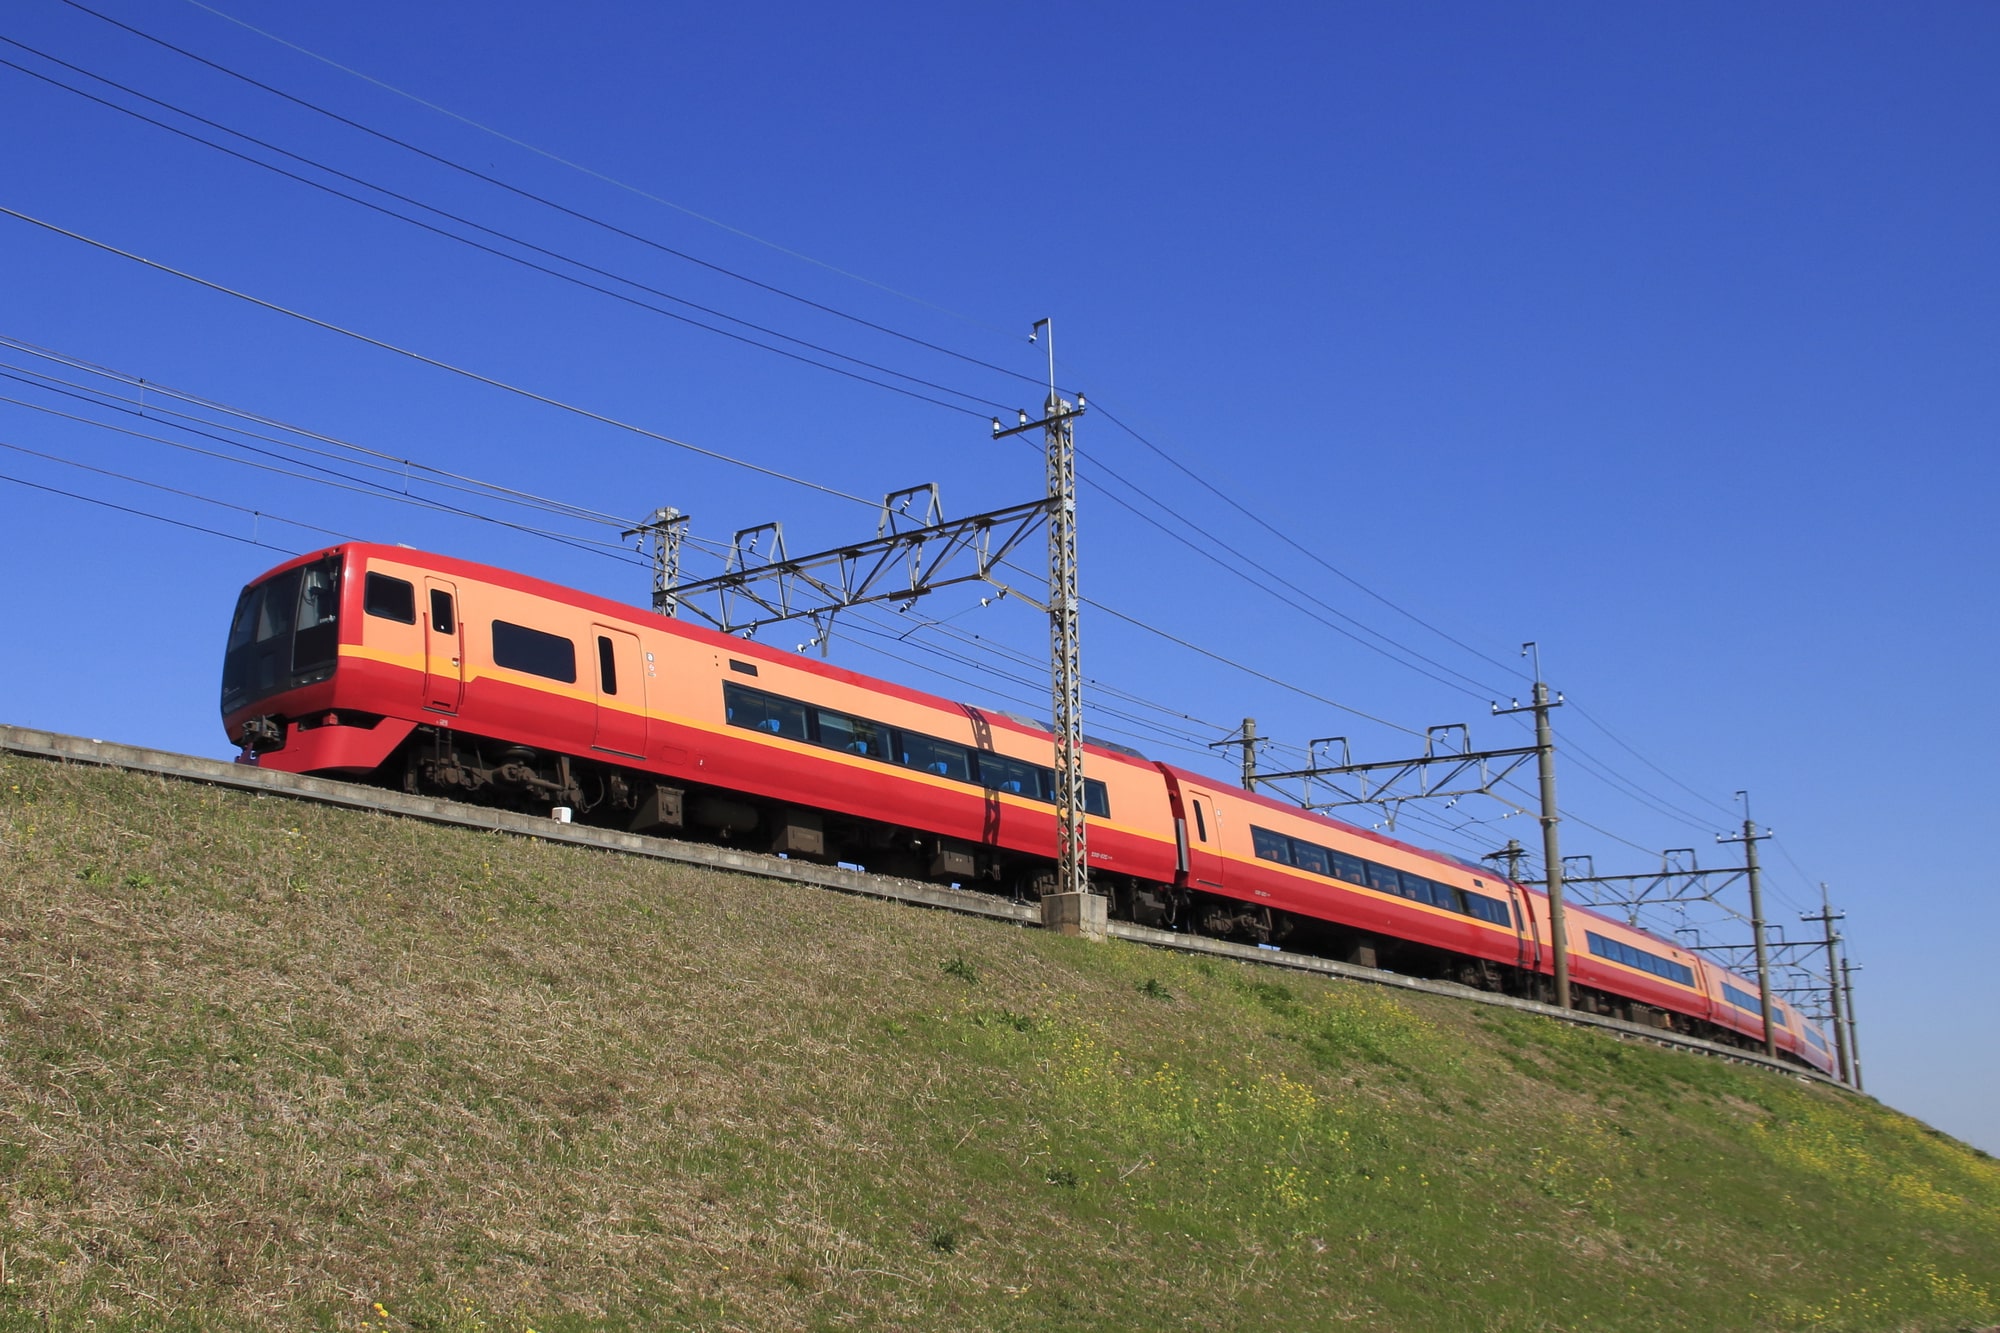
(285, 634)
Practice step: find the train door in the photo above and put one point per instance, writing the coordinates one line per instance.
(621, 692)
(1203, 820)
(1527, 943)
(444, 651)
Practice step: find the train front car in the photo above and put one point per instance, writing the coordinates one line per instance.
(297, 692)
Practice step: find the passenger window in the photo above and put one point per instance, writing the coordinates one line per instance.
(518, 648)
(1384, 879)
(1096, 801)
(764, 712)
(442, 619)
(940, 757)
(1308, 856)
(391, 599)
(607, 665)
(837, 731)
(1271, 846)
(1011, 776)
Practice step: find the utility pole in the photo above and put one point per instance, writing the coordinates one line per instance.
(1511, 854)
(1545, 763)
(1072, 908)
(1249, 740)
(1750, 837)
(665, 527)
(1853, 1028)
(1827, 916)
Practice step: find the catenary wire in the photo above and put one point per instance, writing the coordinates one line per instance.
(162, 518)
(1304, 550)
(643, 194)
(511, 239)
(176, 421)
(359, 486)
(1591, 718)
(473, 375)
(170, 490)
(665, 249)
(141, 386)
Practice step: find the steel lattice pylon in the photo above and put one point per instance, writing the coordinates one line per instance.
(1065, 651)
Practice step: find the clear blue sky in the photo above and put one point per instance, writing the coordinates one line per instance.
(1664, 336)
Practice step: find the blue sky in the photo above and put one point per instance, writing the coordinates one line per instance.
(1663, 336)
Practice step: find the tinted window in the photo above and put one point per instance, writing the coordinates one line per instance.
(1310, 856)
(280, 603)
(442, 619)
(391, 599)
(939, 757)
(518, 648)
(1271, 846)
(837, 731)
(1487, 909)
(607, 665)
(1384, 879)
(317, 642)
(1200, 823)
(1620, 952)
(764, 712)
(1350, 868)
(1096, 801)
(1011, 775)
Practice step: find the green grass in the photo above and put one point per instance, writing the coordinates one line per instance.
(268, 1064)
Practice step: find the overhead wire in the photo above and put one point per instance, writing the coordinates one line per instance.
(170, 490)
(161, 518)
(445, 477)
(178, 421)
(643, 194)
(511, 239)
(434, 362)
(1302, 548)
(549, 203)
(330, 478)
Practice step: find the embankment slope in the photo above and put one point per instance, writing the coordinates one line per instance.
(271, 1064)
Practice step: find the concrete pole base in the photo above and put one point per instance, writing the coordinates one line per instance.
(1082, 914)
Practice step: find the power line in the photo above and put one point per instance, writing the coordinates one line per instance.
(1591, 718)
(331, 478)
(435, 363)
(1304, 550)
(631, 189)
(511, 239)
(170, 490)
(162, 518)
(167, 417)
(584, 217)
(1212, 558)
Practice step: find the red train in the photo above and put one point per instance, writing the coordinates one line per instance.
(386, 664)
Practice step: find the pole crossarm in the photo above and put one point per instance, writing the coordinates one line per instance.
(1678, 880)
(763, 584)
(1440, 773)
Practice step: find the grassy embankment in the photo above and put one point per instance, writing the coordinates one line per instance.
(274, 1064)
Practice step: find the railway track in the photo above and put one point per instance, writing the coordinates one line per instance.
(191, 768)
